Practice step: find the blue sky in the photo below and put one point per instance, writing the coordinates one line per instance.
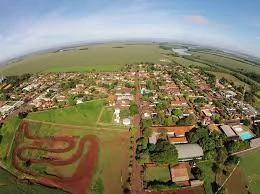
(29, 25)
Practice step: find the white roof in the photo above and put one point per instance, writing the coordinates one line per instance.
(228, 131)
(189, 151)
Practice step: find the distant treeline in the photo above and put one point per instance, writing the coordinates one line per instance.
(118, 47)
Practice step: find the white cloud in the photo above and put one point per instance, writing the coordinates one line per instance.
(138, 20)
(258, 38)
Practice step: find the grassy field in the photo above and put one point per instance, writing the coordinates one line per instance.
(187, 62)
(250, 166)
(103, 57)
(157, 173)
(113, 153)
(106, 116)
(206, 168)
(237, 183)
(8, 132)
(229, 62)
(85, 114)
(10, 185)
(230, 78)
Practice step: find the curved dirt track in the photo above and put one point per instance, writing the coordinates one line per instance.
(80, 180)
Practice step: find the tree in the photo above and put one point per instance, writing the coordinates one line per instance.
(146, 123)
(133, 109)
(147, 132)
(190, 120)
(1, 137)
(256, 130)
(236, 146)
(222, 155)
(164, 153)
(72, 101)
(197, 173)
(246, 122)
(197, 133)
(22, 115)
(210, 155)
(168, 121)
(177, 112)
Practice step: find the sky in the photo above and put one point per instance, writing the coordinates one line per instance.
(32, 25)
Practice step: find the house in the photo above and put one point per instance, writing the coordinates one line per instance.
(229, 94)
(228, 131)
(188, 152)
(181, 174)
(175, 134)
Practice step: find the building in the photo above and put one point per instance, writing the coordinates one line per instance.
(181, 174)
(228, 131)
(175, 134)
(188, 152)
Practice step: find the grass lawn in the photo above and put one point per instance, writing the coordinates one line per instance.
(102, 57)
(8, 131)
(85, 114)
(250, 166)
(206, 168)
(107, 115)
(157, 173)
(10, 185)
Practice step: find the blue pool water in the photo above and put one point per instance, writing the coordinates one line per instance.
(246, 135)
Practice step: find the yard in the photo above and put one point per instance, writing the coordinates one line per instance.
(157, 173)
(101, 57)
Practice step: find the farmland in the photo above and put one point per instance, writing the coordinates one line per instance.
(42, 150)
(109, 57)
(228, 62)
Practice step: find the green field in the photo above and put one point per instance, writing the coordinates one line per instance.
(106, 116)
(10, 185)
(187, 62)
(85, 114)
(8, 132)
(230, 78)
(250, 167)
(113, 153)
(103, 57)
(157, 173)
(229, 62)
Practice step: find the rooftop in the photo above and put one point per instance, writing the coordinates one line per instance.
(189, 151)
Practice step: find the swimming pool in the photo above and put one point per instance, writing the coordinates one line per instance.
(246, 135)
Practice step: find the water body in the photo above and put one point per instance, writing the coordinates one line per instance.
(180, 51)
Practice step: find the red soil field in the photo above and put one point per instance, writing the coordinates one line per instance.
(80, 181)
